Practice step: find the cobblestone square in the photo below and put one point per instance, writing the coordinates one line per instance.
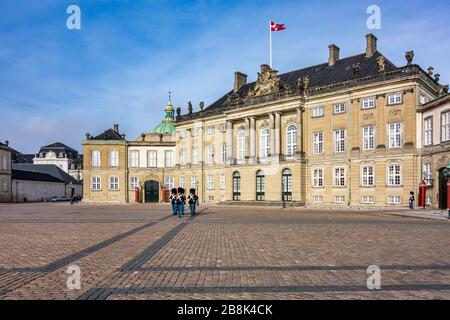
(142, 252)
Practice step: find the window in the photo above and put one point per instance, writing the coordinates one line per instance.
(194, 182)
(96, 184)
(210, 181)
(134, 183)
(210, 130)
(223, 150)
(265, 143)
(394, 199)
(236, 186)
(339, 108)
(210, 198)
(195, 155)
(339, 199)
(318, 143)
(318, 178)
(428, 174)
(422, 99)
(428, 200)
(5, 162)
(286, 183)
(134, 158)
(445, 126)
(114, 183)
(368, 103)
(195, 131)
(5, 185)
(114, 158)
(183, 156)
(260, 186)
(168, 157)
(170, 183)
(223, 127)
(317, 199)
(210, 154)
(183, 182)
(96, 158)
(318, 112)
(428, 131)
(222, 182)
(241, 146)
(182, 134)
(339, 140)
(395, 98)
(339, 177)
(395, 135)
(368, 137)
(367, 199)
(394, 175)
(291, 140)
(152, 158)
(367, 176)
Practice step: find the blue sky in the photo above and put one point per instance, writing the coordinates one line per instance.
(57, 84)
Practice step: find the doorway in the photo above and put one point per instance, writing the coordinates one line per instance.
(152, 191)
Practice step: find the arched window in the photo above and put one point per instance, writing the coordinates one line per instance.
(260, 186)
(236, 186)
(291, 140)
(286, 182)
(265, 143)
(241, 146)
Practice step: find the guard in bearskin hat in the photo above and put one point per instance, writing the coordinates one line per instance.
(181, 201)
(173, 200)
(193, 201)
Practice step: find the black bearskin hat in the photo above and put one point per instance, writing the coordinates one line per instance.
(192, 190)
(180, 190)
(174, 190)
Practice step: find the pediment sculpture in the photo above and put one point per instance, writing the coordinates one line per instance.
(268, 82)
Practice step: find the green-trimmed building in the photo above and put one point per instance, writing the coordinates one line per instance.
(114, 167)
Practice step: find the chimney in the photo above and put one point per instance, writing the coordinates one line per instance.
(116, 128)
(240, 80)
(7, 143)
(334, 54)
(371, 45)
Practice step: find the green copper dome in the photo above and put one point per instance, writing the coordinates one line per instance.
(167, 126)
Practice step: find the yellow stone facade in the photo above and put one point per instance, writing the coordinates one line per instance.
(346, 132)
(386, 101)
(436, 150)
(105, 171)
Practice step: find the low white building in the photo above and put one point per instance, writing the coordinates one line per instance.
(38, 183)
(62, 156)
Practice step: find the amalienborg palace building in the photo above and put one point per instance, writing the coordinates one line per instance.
(346, 132)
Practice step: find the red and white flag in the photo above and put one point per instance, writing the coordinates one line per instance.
(276, 26)
(273, 27)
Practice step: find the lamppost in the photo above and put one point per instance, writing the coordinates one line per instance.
(447, 175)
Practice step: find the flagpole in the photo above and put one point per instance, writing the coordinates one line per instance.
(270, 41)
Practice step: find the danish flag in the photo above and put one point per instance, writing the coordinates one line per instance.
(276, 26)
